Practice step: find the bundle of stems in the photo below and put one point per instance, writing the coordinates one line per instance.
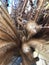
(15, 43)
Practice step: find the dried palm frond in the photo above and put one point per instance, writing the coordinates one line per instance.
(11, 39)
(10, 42)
